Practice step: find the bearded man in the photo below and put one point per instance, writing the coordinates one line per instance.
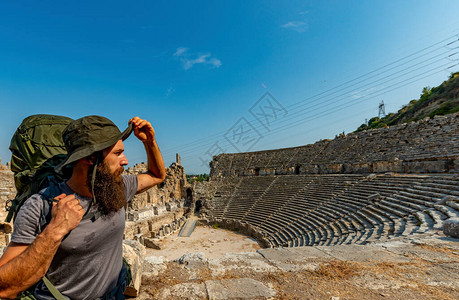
(80, 249)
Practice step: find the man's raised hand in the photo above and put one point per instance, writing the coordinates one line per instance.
(143, 129)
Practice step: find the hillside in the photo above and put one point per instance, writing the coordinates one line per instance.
(440, 100)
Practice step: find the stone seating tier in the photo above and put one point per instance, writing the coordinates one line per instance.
(337, 209)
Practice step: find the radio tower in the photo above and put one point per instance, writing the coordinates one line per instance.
(382, 111)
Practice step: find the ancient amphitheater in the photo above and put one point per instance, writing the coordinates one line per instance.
(368, 215)
(356, 188)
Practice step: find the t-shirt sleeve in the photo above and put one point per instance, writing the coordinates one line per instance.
(130, 186)
(26, 224)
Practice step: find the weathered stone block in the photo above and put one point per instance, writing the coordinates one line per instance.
(167, 229)
(150, 243)
(193, 259)
(362, 168)
(134, 254)
(387, 166)
(332, 168)
(451, 228)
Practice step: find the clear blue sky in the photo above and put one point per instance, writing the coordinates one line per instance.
(196, 68)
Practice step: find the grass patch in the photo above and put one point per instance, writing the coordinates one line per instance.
(438, 249)
(336, 269)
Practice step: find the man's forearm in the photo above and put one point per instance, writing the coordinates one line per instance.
(156, 171)
(27, 268)
(155, 159)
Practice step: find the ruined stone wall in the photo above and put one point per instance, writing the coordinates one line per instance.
(7, 192)
(159, 211)
(173, 187)
(7, 189)
(203, 190)
(426, 146)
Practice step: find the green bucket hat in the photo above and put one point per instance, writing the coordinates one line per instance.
(88, 135)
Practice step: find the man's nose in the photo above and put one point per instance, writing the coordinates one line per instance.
(124, 160)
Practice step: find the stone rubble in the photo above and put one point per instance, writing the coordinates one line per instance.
(451, 228)
(134, 253)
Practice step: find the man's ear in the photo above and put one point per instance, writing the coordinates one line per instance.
(91, 160)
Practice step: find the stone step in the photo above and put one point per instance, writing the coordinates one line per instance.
(303, 241)
(413, 200)
(387, 212)
(365, 236)
(437, 217)
(448, 211)
(410, 226)
(445, 183)
(433, 195)
(399, 206)
(354, 237)
(344, 230)
(311, 238)
(270, 227)
(333, 235)
(376, 214)
(276, 242)
(399, 227)
(311, 220)
(426, 221)
(453, 205)
(414, 195)
(363, 219)
(352, 224)
(403, 201)
(437, 189)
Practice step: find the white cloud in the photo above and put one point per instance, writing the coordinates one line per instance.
(299, 26)
(189, 60)
(170, 91)
(180, 51)
(304, 12)
(215, 62)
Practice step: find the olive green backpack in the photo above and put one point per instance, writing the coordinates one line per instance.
(36, 148)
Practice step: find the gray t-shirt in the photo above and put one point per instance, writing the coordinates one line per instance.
(89, 260)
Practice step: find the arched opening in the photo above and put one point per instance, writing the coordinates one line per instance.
(198, 206)
(297, 170)
(257, 171)
(189, 194)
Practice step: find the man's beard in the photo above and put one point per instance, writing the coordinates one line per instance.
(108, 189)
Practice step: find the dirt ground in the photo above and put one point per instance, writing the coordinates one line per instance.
(330, 280)
(213, 242)
(425, 267)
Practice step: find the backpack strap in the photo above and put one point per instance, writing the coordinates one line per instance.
(52, 289)
(48, 196)
(42, 290)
